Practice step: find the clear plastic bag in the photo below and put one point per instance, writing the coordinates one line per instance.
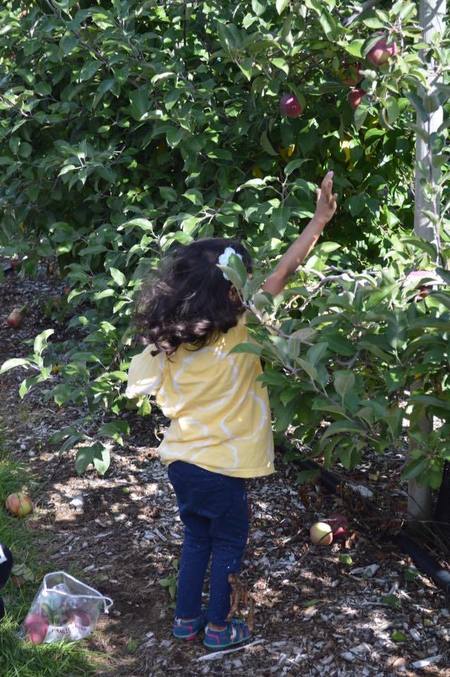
(63, 609)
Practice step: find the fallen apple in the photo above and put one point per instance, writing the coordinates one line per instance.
(15, 318)
(339, 525)
(36, 626)
(355, 96)
(290, 106)
(19, 504)
(381, 52)
(321, 533)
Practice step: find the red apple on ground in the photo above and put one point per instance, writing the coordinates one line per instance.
(339, 525)
(355, 96)
(19, 504)
(321, 533)
(15, 318)
(381, 52)
(36, 626)
(290, 106)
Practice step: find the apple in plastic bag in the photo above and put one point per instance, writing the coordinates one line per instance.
(80, 618)
(36, 627)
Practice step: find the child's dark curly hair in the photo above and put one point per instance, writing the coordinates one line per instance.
(188, 299)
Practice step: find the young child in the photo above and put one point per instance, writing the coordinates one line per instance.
(6, 563)
(220, 432)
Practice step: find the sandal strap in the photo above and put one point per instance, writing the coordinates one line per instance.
(238, 630)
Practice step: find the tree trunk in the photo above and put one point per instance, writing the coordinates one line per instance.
(431, 17)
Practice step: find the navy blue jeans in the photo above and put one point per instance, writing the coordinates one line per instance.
(214, 511)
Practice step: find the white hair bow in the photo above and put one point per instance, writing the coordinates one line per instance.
(224, 259)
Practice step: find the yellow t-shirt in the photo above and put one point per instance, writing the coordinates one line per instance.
(220, 415)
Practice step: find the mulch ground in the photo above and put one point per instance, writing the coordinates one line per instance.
(353, 608)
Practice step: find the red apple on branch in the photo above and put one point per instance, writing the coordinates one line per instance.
(351, 74)
(290, 106)
(381, 52)
(355, 96)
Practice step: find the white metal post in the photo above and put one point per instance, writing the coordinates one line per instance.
(431, 17)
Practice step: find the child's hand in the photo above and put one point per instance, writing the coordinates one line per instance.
(326, 200)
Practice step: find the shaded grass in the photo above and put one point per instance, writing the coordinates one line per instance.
(19, 658)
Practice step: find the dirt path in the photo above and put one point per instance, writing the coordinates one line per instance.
(316, 615)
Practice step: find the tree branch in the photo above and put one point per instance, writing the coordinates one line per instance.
(364, 8)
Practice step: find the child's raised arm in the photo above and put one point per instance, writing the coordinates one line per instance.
(299, 250)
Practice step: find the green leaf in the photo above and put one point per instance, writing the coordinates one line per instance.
(144, 407)
(96, 455)
(246, 67)
(41, 340)
(231, 275)
(161, 77)
(118, 277)
(373, 22)
(392, 601)
(293, 165)
(415, 468)
(13, 363)
(361, 114)
(194, 196)
(67, 43)
(267, 146)
(329, 25)
(88, 70)
(430, 401)
(411, 574)
(258, 7)
(247, 348)
(281, 64)
(259, 184)
(344, 382)
(308, 368)
(398, 636)
(139, 104)
(103, 88)
(339, 427)
(106, 293)
(328, 407)
(281, 5)
(392, 109)
(317, 352)
(143, 224)
(354, 48)
(427, 247)
(115, 430)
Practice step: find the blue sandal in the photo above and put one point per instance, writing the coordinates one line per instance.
(236, 632)
(188, 630)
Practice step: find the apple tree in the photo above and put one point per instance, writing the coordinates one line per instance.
(128, 126)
